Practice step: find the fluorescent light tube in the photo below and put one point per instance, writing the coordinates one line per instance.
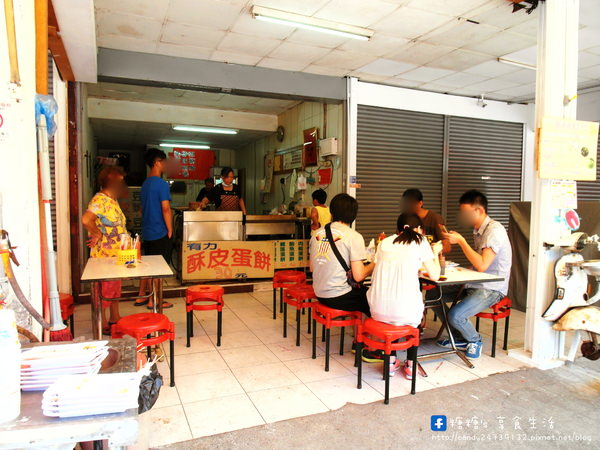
(196, 129)
(512, 62)
(311, 23)
(179, 145)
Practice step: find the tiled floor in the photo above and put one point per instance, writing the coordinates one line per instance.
(258, 377)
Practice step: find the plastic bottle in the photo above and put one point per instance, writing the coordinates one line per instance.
(10, 377)
(442, 264)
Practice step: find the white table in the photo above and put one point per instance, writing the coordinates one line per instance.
(96, 270)
(453, 277)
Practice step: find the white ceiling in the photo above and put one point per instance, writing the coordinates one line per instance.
(120, 134)
(183, 97)
(126, 134)
(424, 44)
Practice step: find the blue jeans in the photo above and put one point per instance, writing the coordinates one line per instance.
(474, 301)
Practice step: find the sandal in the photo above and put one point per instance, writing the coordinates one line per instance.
(166, 305)
(108, 331)
(142, 303)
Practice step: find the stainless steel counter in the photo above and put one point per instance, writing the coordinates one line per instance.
(257, 225)
(212, 226)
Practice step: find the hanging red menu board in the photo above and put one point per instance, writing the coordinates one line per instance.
(192, 164)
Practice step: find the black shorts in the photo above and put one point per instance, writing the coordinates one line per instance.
(162, 247)
(355, 300)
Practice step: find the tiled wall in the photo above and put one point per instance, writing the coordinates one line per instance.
(295, 121)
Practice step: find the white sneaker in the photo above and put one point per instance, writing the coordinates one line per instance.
(394, 367)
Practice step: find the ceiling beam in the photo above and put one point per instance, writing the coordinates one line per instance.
(57, 47)
(120, 66)
(100, 108)
(77, 25)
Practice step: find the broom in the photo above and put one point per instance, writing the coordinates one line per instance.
(59, 331)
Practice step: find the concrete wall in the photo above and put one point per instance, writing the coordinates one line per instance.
(588, 106)
(18, 147)
(328, 118)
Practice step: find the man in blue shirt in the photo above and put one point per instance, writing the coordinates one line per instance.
(493, 255)
(157, 218)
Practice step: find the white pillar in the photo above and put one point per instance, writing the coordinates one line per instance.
(556, 79)
(18, 163)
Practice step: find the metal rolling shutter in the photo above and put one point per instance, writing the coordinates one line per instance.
(51, 152)
(485, 155)
(590, 190)
(396, 150)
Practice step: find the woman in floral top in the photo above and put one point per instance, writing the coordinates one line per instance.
(105, 222)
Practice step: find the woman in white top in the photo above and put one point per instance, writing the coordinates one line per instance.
(395, 294)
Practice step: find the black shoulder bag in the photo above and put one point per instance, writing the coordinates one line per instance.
(350, 278)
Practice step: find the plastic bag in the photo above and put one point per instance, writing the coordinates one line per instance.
(46, 105)
(149, 389)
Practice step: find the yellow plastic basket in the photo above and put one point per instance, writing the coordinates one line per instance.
(126, 256)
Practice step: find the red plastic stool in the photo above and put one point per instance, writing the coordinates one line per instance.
(67, 310)
(329, 317)
(381, 336)
(141, 326)
(300, 297)
(500, 310)
(281, 280)
(204, 297)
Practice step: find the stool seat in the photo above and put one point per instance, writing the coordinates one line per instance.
(288, 276)
(204, 291)
(142, 324)
(141, 327)
(382, 336)
(300, 292)
(331, 317)
(500, 310)
(281, 280)
(300, 296)
(204, 297)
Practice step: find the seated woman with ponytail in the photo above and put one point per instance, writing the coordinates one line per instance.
(395, 295)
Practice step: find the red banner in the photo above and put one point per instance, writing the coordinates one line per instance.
(191, 164)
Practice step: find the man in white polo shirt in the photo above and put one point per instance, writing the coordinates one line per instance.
(492, 254)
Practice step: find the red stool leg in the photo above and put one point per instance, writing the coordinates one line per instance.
(359, 347)
(280, 300)
(342, 341)
(298, 326)
(477, 323)
(172, 352)
(314, 340)
(327, 342)
(190, 318)
(309, 320)
(386, 377)
(284, 311)
(219, 327)
(506, 319)
(494, 332)
(72, 324)
(274, 303)
(416, 367)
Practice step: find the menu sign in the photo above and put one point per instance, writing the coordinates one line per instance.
(191, 164)
(567, 149)
(215, 260)
(291, 253)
